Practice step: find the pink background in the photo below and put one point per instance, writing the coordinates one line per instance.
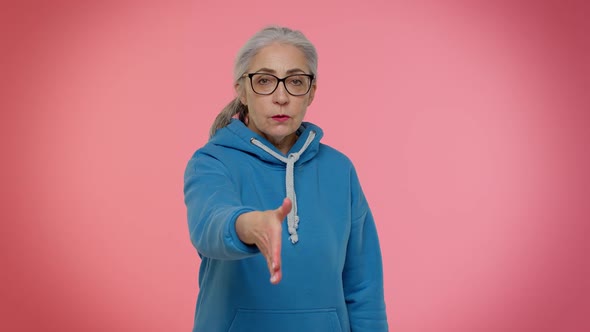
(468, 123)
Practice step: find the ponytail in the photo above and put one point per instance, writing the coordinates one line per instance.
(235, 107)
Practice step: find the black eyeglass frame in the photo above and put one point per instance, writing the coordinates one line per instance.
(279, 80)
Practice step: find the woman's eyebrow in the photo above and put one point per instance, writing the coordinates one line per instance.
(295, 70)
(272, 71)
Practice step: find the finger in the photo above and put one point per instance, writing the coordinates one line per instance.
(284, 209)
(272, 266)
(276, 278)
(269, 264)
(275, 250)
(276, 253)
(273, 262)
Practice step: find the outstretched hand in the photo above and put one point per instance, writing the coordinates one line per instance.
(264, 229)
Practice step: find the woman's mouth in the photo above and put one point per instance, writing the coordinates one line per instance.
(281, 117)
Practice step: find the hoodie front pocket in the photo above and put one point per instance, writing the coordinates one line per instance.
(320, 320)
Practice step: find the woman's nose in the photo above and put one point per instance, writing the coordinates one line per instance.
(280, 96)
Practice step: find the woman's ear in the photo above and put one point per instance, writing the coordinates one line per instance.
(312, 94)
(241, 93)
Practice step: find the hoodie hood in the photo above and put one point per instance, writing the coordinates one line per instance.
(237, 136)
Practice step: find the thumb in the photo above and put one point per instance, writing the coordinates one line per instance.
(284, 209)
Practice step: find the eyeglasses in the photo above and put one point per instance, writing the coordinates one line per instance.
(266, 84)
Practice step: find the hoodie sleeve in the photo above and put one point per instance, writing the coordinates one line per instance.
(363, 270)
(213, 205)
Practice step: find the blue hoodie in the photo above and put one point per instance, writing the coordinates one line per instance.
(331, 259)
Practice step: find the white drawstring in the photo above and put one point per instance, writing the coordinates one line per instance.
(292, 217)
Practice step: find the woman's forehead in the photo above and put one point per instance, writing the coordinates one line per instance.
(280, 59)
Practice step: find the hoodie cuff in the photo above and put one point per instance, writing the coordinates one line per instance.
(232, 236)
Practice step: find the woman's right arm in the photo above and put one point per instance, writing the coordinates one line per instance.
(213, 204)
(220, 226)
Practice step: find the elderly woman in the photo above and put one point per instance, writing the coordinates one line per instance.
(263, 164)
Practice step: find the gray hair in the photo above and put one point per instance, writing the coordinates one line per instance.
(263, 38)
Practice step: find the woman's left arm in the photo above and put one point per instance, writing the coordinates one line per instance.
(363, 269)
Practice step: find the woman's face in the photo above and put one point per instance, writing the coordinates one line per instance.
(277, 116)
